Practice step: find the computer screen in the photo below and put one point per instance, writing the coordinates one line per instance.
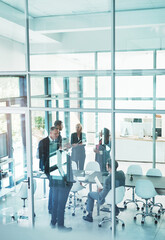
(3, 145)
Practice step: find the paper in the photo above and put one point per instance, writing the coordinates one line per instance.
(98, 183)
(89, 172)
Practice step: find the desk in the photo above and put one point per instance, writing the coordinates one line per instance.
(158, 182)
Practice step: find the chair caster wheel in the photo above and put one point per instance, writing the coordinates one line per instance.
(80, 200)
(73, 214)
(134, 218)
(138, 208)
(142, 208)
(156, 222)
(123, 225)
(99, 225)
(142, 222)
(125, 207)
(68, 207)
(13, 218)
(158, 216)
(84, 211)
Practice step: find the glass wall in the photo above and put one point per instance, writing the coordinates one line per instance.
(69, 76)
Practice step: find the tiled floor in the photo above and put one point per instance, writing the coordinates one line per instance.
(81, 229)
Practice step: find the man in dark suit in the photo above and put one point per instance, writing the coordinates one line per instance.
(44, 150)
(59, 189)
(102, 193)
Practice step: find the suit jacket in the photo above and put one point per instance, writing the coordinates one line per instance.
(74, 138)
(44, 154)
(119, 181)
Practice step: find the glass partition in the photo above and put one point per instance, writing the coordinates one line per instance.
(12, 36)
(13, 167)
(13, 91)
(71, 92)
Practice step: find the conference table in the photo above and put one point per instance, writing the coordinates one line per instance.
(89, 177)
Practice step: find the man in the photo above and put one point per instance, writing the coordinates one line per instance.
(58, 125)
(59, 188)
(46, 145)
(102, 193)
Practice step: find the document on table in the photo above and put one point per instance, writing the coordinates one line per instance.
(98, 183)
(89, 172)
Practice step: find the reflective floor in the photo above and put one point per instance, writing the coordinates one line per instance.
(12, 205)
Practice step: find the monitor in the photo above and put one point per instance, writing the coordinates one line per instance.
(3, 145)
(158, 131)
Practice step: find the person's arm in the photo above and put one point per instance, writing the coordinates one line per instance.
(106, 187)
(72, 138)
(41, 150)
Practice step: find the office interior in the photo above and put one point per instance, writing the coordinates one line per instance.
(100, 63)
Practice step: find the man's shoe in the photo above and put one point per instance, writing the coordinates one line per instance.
(52, 225)
(64, 229)
(117, 211)
(88, 218)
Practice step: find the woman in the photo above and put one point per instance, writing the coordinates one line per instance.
(78, 137)
(78, 148)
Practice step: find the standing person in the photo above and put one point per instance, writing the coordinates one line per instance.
(102, 193)
(103, 149)
(78, 149)
(46, 147)
(60, 193)
(58, 124)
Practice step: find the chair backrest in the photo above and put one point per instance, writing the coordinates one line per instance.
(134, 169)
(154, 172)
(92, 166)
(145, 189)
(23, 192)
(74, 165)
(76, 186)
(120, 192)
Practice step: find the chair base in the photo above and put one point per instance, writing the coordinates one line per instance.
(127, 201)
(147, 213)
(144, 215)
(106, 219)
(75, 204)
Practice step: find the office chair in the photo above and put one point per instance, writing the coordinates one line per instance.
(91, 166)
(155, 172)
(23, 194)
(120, 192)
(75, 190)
(133, 170)
(145, 190)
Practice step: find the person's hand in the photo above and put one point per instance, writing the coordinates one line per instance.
(99, 189)
(96, 150)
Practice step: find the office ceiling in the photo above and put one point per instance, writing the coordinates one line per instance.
(140, 24)
(41, 8)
